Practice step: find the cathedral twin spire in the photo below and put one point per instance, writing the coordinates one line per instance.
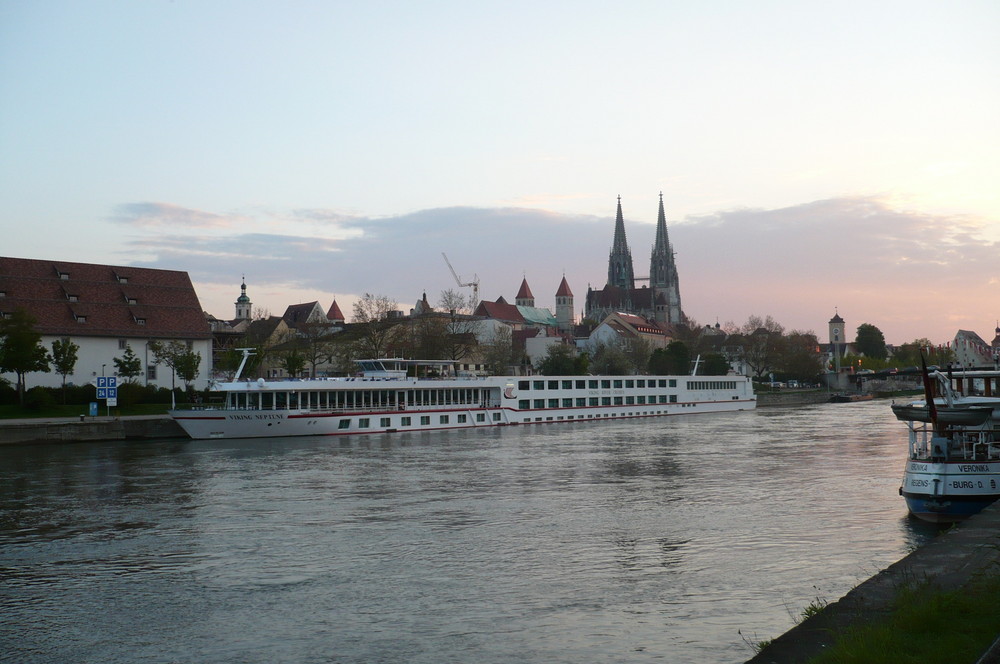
(620, 271)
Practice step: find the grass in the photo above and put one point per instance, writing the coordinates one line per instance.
(8, 412)
(926, 626)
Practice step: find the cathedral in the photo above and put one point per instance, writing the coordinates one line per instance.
(660, 300)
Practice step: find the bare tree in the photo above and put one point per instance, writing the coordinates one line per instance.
(371, 313)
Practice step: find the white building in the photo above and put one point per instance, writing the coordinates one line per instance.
(105, 309)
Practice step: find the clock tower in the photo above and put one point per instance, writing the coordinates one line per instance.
(838, 340)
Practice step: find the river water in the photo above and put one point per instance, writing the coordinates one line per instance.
(664, 540)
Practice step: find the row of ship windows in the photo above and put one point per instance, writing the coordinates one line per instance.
(425, 420)
(528, 404)
(604, 384)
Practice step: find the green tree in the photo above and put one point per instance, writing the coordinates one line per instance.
(128, 366)
(800, 356)
(559, 360)
(293, 363)
(609, 359)
(498, 353)
(21, 349)
(871, 342)
(64, 356)
(714, 364)
(183, 361)
(674, 360)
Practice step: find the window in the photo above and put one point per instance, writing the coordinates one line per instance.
(384, 422)
(425, 420)
(673, 398)
(640, 383)
(461, 419)
(592, 401)
(122, 344)
(553, 384)
(363, 423)
(605, 401)
(567, 403)
(524, 404)
(151, 372)
(539, 403)
(673, 382)
(81, 319)
(567, 385)
(64, 276)
(630, 383)
(523, 385)
(444, 419)
(592, 384)
(496, 417)
(140, 321)
(618, 384)
(581, 401)
(640, 400)
(405, 421)
(618, 401)
(553, 403)
(538, 384)
(629, 401)
(581, 384)
(605, 384)
(480, 417)
(344, 424)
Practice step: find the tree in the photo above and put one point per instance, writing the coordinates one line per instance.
(674, 360)
(293, 362)
(498, 353)
(870, 342)
(714, 364)
(559, 360)
(609, 359)
(800, 358)
(456, 302)
(761, 344)
(128, 366)
(183, 361)
(371, 314)
(64, 356)
(21, 349)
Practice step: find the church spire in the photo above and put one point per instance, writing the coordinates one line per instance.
(620, 271)
(663, 274)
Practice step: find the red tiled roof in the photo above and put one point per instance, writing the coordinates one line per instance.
(335, 313)
(83, 299)
(564, 290)
(499, 310)
(524, 292)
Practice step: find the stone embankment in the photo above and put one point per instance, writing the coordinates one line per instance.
(792, 398)
(948, 563)
(88, 429)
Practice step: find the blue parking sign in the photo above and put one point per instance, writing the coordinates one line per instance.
(102, 393)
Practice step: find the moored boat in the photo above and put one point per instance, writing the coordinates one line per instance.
(953, 461)
(387, 398)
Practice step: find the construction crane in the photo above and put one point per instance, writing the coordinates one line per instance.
(474, 283)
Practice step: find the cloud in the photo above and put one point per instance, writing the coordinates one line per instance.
(910, 273)
(152, 215)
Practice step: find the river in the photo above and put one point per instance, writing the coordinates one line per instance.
(660, 540)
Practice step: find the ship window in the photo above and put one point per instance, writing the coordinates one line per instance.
(581, 384)
(618, 384)
(384, 422)
(405, 421)
(640, 400)
(640, 383)
(553, 384)
(630, 400)
(618, 401)
(673, 382)
(581, 401)
(480, 417)
(673, 398)
(605, 401)
(523, 384)
(344, 424)
(425, 420)
(630, 383)
(553, 403)
(592, 401)
(592, 384)
(444, 419)
(461, 419)
(539, 403)
(567, 403)
(538, 384)
(363, 423)
(496, 417)
(524, 404)
(567, 385)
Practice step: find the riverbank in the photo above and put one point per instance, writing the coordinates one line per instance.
(88, 429)
(949, 563)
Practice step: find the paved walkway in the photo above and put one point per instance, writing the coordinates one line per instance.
(949, 562)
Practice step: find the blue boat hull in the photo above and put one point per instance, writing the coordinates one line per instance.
(946, 509)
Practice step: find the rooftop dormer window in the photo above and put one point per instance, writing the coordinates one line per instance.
(64, 276)
(81, 319)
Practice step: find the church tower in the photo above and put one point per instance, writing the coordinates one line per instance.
(838, 339)
(564, 307)
(524, 298)
(663, 274)
(620, 271)
(243, 304)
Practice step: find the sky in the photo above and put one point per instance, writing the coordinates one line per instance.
(814, 158)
